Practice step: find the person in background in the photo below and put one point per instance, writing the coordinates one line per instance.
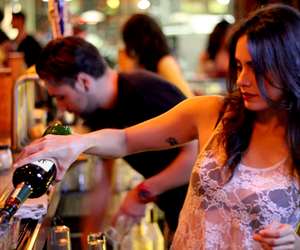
(80, 30)
(2, 33)
(24, 42)
(146, 47)
(5, 45)
(80, 80)
(215, 59)
(244, 190)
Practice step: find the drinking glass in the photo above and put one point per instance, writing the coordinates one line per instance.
(4, 236)
(14, 231)
(96, 241)
(59, 238)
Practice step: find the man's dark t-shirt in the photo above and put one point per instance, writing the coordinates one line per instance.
(143, 95)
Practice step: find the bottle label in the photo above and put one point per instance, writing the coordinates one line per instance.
(46, 165)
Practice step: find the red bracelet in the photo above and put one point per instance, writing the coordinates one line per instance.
(144, 194)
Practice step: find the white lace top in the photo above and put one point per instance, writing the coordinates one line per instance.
(223, 213)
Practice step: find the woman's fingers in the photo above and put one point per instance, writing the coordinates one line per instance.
(285, 247)
(280, 231)
(286, 240)
(282, 237)
(28, 151)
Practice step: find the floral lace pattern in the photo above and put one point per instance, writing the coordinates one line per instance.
(223, 213)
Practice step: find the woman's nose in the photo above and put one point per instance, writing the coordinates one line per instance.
(244, 79)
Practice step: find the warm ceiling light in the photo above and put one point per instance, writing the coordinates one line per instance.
(17, 7)
(47, 0)
(143, 4)
(113, 4)
(92, 16)
(223, 2)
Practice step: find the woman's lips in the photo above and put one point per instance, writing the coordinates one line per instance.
(248, 96)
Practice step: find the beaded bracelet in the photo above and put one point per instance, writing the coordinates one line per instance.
(144, 194)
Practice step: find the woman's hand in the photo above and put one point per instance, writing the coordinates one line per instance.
(131, 207)
(62, 149)
(281, 236)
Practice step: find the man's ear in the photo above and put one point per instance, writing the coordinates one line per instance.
(84, 82)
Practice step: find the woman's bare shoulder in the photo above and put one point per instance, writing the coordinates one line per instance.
(207, 110)
(206, 103)
(204, 110)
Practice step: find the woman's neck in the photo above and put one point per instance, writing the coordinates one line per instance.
(271, 119)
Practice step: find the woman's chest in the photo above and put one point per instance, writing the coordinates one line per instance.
(246, 188)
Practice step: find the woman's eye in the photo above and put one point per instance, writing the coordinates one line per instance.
(239, 68)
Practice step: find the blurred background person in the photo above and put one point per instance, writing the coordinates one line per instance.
(5, 45)
(24, 42)
(80, 30)
(215, 59)
(146, 47)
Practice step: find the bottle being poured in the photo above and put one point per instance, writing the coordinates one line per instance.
(33, 179)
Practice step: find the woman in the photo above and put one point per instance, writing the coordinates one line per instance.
(146, 47)
(244, 187)
(215, 59)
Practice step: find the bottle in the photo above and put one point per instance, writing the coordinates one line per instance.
(154, 230)
(140, 237)
(31, 180)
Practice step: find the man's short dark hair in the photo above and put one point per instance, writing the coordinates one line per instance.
(63, 58)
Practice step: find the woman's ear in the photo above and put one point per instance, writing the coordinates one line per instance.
(84, 82)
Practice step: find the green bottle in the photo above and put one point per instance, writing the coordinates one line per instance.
(57, 129)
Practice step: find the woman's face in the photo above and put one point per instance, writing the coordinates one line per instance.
(246, 80)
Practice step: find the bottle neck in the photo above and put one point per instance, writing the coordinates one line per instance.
(14, 201)
(20, 193)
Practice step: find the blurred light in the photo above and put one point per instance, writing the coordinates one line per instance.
(223, 2)
(17, 7)
(95, 40)
(143, 4)
(92, 16)
(65, 0)
(113, 4)
(193, 24)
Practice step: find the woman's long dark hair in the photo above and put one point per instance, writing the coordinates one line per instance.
(217, 38)
(273, 34)
(145, 41)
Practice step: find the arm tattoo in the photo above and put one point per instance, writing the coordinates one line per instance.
(172, 141)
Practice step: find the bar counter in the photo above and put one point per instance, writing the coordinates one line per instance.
(33, 233)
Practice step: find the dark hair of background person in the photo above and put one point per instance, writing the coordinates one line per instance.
(62, 59)
(145, 41)
(19, 15)
(274, 45)
(25, 43)
(1, 15)
(217, 39)
(3, 36)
